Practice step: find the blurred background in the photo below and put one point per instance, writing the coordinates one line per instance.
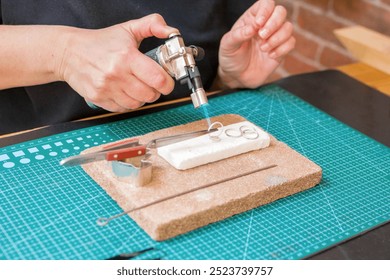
(317, 48)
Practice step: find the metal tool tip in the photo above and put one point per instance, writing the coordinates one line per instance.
(199, 98)
(102, 222)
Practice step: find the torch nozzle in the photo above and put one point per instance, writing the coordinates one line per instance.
(199, 97)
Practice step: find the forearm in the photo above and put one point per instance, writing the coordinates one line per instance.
(103, 65)
(30, 54)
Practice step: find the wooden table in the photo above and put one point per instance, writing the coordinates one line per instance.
(368, 75)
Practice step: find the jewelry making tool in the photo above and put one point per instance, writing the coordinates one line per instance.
(132, 255)
(129, 160)
(121, 150)
(103, 221)
(129, 148)
(178, 60)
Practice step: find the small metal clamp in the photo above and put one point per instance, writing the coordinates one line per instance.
(136, 171)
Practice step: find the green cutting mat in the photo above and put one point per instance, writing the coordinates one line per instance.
(49, 211)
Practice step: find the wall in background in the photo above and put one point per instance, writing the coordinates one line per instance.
(317, 48)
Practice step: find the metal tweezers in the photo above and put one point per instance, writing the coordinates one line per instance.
(129, 148)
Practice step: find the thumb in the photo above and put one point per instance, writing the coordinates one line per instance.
(152, 25)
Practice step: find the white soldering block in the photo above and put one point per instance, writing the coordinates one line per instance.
(202, 150)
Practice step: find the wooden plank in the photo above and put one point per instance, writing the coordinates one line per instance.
(366, 45)
(368, 75)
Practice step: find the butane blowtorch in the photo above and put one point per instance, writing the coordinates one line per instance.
(179, 61)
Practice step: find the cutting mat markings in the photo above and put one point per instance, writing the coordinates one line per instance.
(49, 212)
(58, 148)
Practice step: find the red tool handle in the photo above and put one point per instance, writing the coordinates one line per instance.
(126, 153)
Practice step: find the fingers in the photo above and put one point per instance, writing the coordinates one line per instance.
(278, 38)
(276, 33)
(107, 69)
(262, 11)
(120, 103)
(107, 104)
(263, 19)
(283, 49)
(150, 73)
(248, 24)
(144, 68)
(148, 26)
(124, 95)
(135, 92)
(274, 23)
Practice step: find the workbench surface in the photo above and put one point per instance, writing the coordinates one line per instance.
(50, 213)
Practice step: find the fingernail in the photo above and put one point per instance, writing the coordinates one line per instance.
(272, 55)
(263, 33)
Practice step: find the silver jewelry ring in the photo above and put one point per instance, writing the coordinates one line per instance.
(233, 133)
(249, 132)
(214, 136)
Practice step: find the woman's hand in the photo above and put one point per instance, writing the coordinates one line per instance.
(255, 46)
(107, 69)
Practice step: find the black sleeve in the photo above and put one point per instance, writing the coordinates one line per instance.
(237, 8)
(1, 15)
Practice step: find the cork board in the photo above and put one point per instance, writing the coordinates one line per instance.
(208, 193)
